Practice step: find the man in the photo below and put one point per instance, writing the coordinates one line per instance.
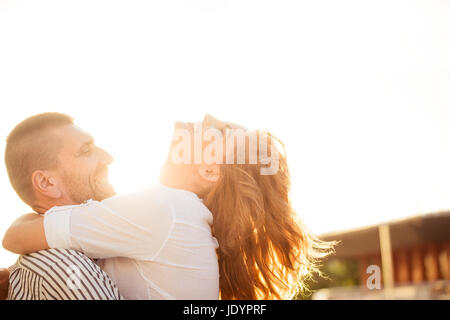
(51, 162)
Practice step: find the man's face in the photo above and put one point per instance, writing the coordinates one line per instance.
(83, 167)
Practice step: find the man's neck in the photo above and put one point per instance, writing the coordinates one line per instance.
(42, 207)
(39, 209)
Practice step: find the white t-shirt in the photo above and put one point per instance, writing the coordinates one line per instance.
(155, 244)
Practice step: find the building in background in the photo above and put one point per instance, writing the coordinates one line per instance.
(413, 256)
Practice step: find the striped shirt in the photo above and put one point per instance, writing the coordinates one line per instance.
(59, 274)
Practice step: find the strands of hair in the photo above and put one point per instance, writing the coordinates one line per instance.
(265, 250)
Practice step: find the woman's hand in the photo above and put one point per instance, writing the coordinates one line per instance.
(210, 121)
(4, 283)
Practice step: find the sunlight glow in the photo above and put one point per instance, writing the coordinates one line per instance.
(357, 91)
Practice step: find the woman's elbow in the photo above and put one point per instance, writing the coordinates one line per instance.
(25, 235)
(11, 243)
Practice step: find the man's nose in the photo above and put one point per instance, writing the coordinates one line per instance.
(105, 157)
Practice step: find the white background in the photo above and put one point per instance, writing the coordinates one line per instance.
(358, 90)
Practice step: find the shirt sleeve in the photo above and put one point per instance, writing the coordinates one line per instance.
(133, 226)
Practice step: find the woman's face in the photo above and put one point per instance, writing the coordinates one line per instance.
(185, 167)
(191, 139)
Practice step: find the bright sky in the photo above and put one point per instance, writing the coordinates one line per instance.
(358, 91)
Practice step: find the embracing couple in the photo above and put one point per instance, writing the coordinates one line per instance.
(212, 229)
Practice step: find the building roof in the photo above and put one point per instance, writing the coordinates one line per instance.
(413, 231)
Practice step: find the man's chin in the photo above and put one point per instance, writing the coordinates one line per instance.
(104, 193)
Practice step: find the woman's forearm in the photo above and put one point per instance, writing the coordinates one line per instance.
(26, 235)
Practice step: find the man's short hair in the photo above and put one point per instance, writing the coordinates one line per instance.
(31, 146)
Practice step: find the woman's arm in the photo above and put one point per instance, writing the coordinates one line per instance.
(4, 283)
(26, 235)
(133, 226)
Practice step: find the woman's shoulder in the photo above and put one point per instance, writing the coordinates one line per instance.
(159, 200)
(187, 206)
(177, 195)
(147, 206)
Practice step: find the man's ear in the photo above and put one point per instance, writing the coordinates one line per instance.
(210, 173)
(43, 183)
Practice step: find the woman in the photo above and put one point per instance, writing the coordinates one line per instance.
(161, 243)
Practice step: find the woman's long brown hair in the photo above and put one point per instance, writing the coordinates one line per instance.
(265, 251)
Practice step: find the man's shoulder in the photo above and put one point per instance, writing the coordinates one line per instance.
(64, 274)
(44, 261)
